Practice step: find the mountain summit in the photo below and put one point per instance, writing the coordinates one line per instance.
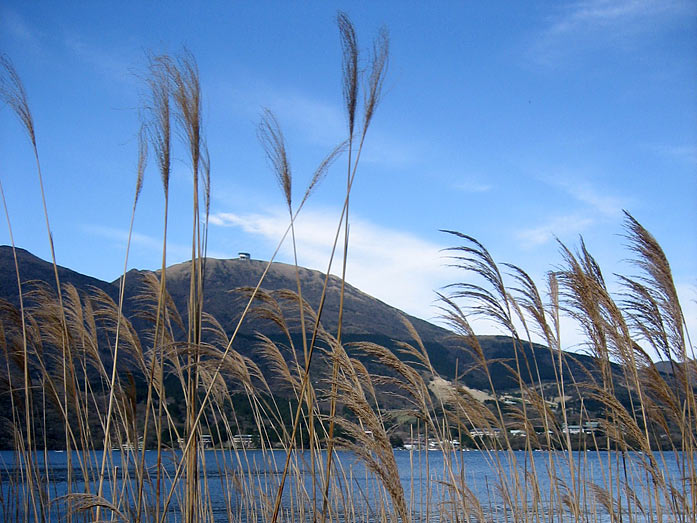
(365, 318)
(363, 314)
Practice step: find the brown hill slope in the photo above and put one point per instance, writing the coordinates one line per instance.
(363, 314)
(34, 269)
(365, 318)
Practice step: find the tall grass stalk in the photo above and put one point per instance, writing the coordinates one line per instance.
(142, 159)
(14, 95)
(110, 378)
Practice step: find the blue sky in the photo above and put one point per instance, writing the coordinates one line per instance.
(513, 122)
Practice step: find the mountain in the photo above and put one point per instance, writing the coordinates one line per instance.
(365, 318)
(34, 269)
(363, 314)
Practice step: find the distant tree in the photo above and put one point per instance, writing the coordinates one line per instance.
(396, 441)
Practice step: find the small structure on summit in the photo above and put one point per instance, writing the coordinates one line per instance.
(244, 255)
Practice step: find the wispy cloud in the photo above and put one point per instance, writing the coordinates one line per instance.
(119, 237)
(393, 265)
(586, 205)
(321, 122)
(555, 227)
(473, 185)
(316, 121)
(601, 15)
(599, 200)
(392, 151)
(13, 24)
(107, 62)
(682, 153)
(595, 23)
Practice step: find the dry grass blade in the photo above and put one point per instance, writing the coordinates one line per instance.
(376, 78)
(322, 169)
(186, 92)
(474, 257)
(142, 162)
(349, 48)
(276, 363)
(159, 120)
(604, 497)
(371, 442)
(530, 300)
(271, 138)
(82, 502)
(411, 381)
(174, 380)
(584, 293)
(13, 94)
(206, 170)
(658, 281)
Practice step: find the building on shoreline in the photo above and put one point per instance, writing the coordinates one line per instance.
(243, 441)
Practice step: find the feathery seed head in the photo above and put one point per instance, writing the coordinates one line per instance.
(13, 94)
(349, 49)
(271, 138)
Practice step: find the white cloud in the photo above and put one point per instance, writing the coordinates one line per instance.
(322, 122)
(606, 204)
(106, 62)
(683, 153)
(598, 23)
(15, 25)
(473, 185)
(318, 121)
(121, 236)
(601, 202)
(593, 15)
(394, 266)
(596, 206)
(554, 228)
(175, 251)
(392, 151)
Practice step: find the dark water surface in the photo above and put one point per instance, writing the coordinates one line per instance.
(237, 483)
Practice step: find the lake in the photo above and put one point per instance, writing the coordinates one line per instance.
(437, 486)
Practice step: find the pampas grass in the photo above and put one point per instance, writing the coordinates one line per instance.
(171, 381)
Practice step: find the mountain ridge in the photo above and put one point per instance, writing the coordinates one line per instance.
(365, 318)
(364, 315)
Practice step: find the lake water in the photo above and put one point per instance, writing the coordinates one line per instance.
(486, 483)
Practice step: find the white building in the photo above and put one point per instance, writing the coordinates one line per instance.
(243, 441)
